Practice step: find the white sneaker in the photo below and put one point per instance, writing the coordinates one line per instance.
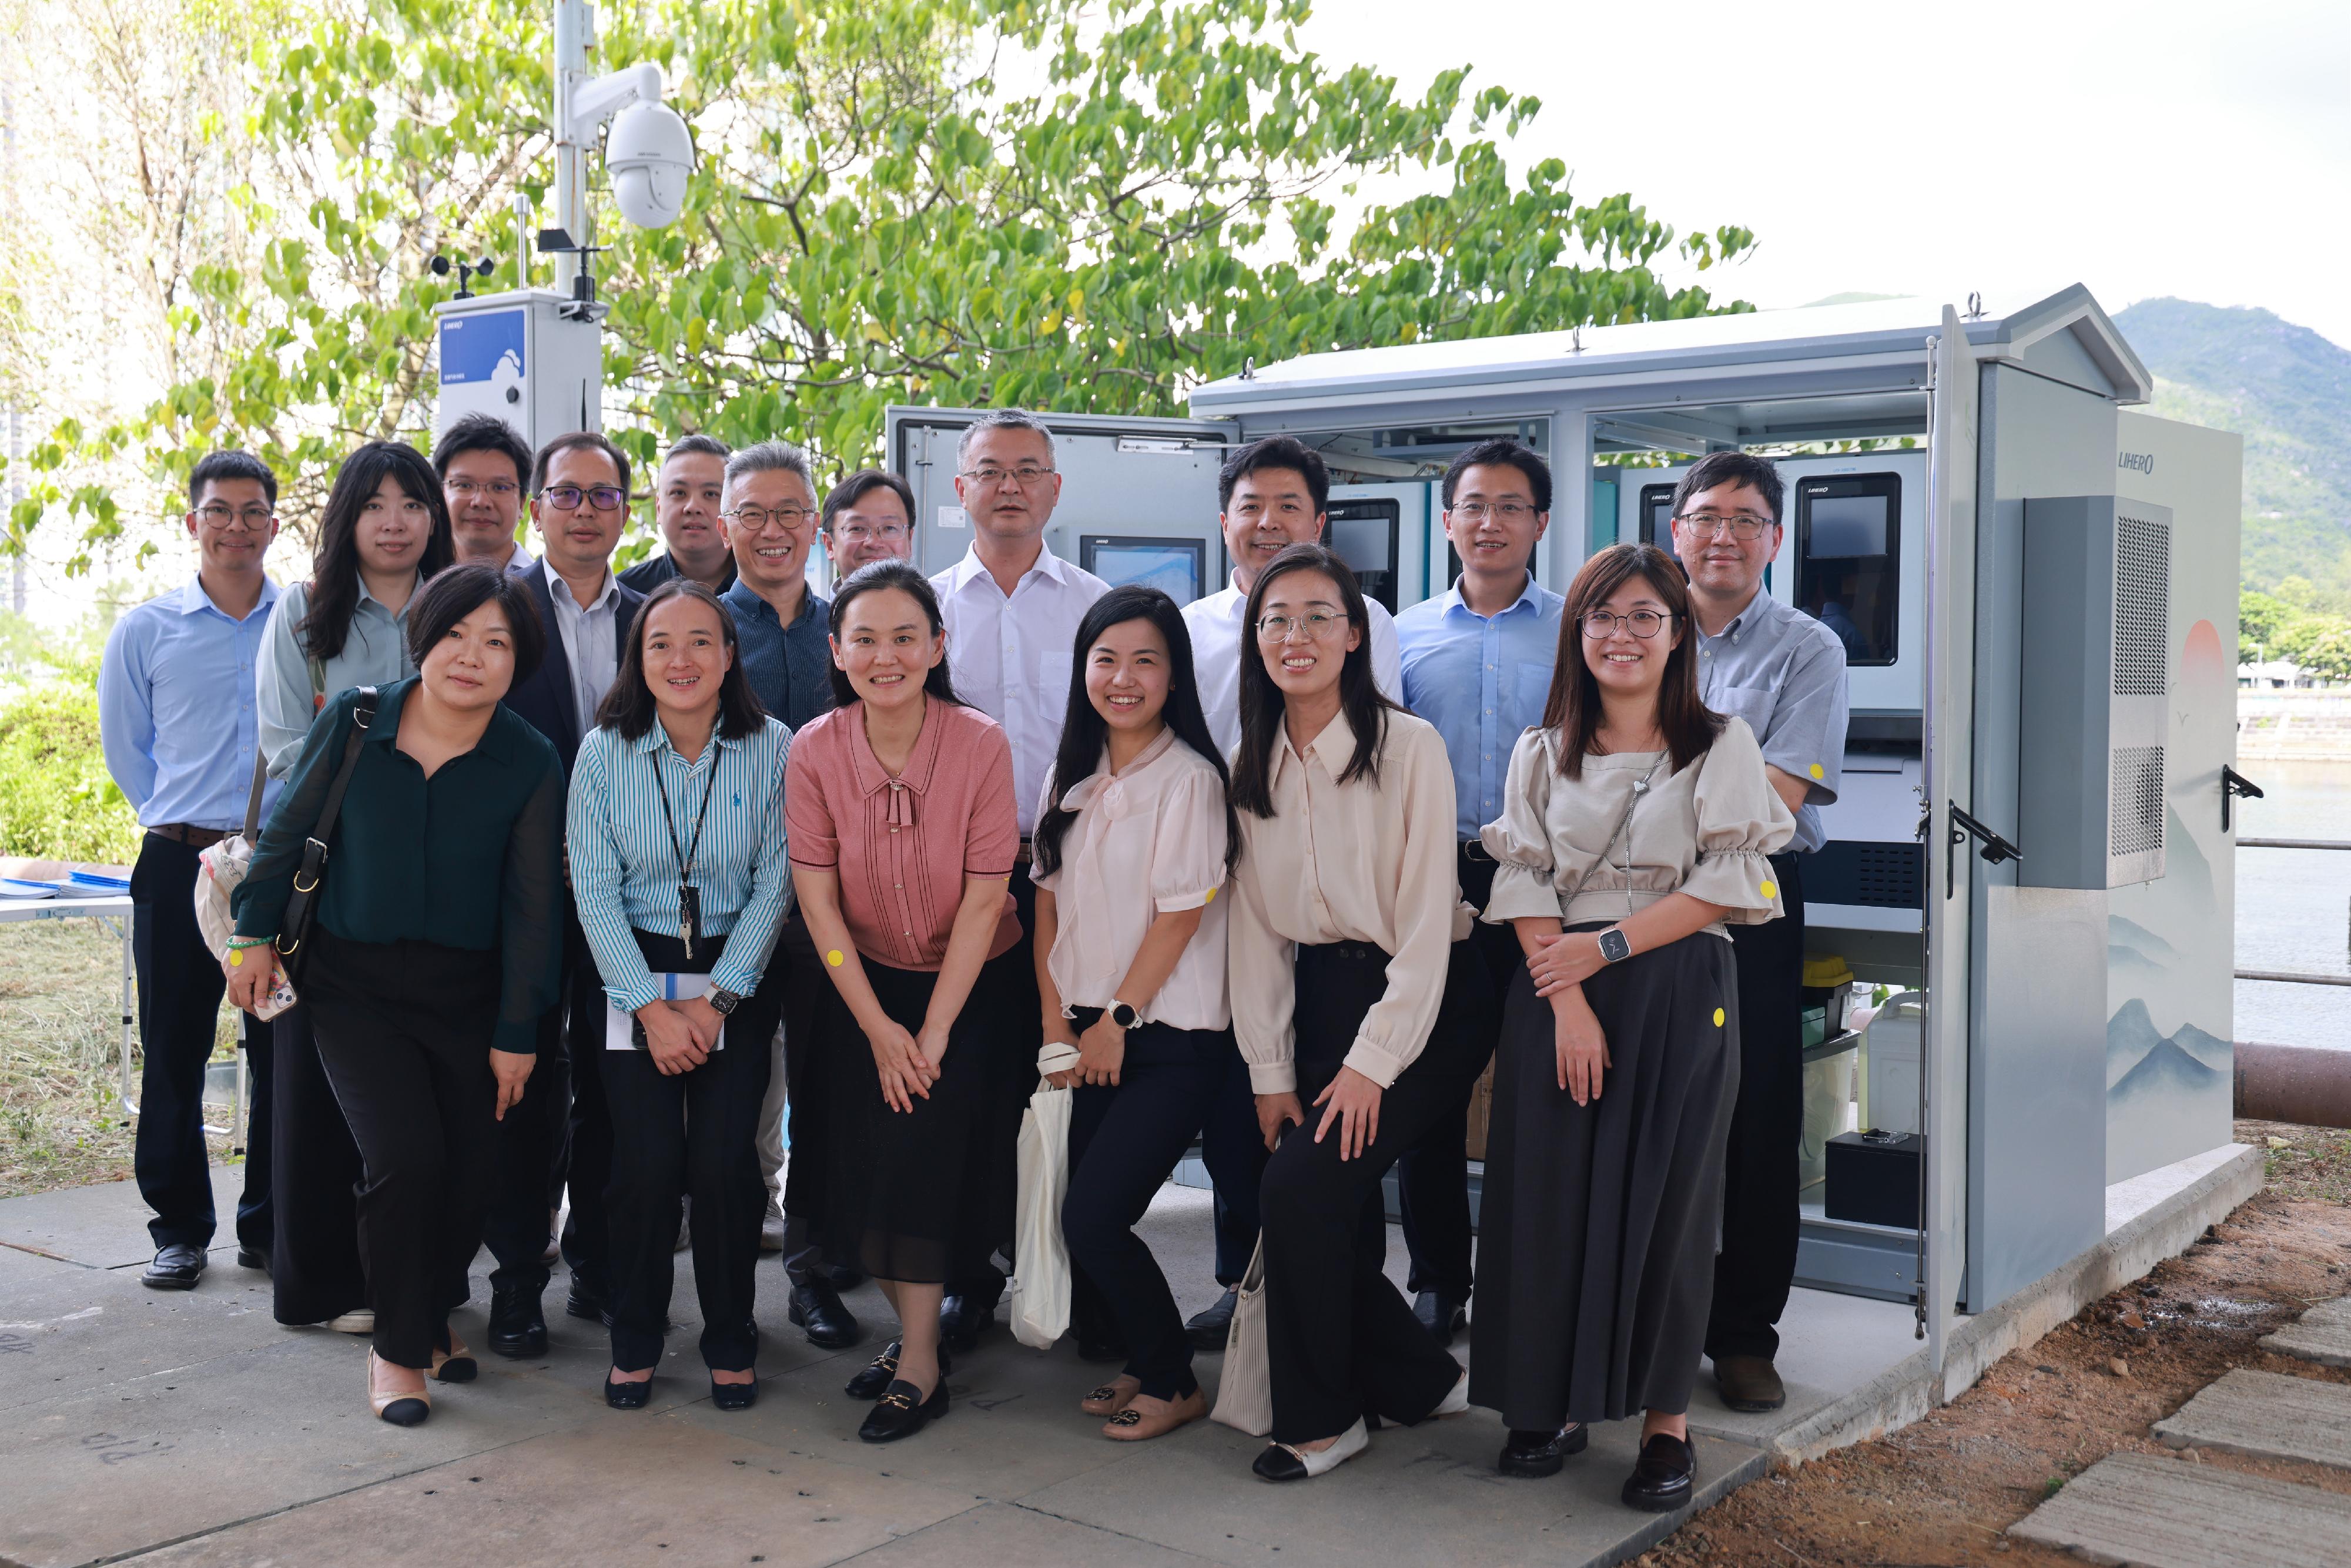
(359, 1322)
(1456, 1400)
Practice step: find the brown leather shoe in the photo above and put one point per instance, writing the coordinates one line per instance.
(1749, 1383)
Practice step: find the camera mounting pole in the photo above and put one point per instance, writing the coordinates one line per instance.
(582, 104)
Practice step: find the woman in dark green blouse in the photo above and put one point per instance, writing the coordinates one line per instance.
(436, 947)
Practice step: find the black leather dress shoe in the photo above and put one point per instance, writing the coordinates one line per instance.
(817, 1308)
(1664, 1476)
(733, 1396)
(902, 1411)
(1440, 1314)
(176, 1267)
(1208, 1330)
(627, 1395)
(518, 1325)
(1749, 1383)
(875, 1380)
(1539, 1454)
(253, 1257)
(961, 1319)
(586, 1301)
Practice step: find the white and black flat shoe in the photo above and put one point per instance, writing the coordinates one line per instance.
(1280, 1462)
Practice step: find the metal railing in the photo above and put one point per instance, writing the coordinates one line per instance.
(2287, 976)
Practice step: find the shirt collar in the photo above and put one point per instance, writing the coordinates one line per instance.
(560, 590)
(656, 738)
(1755, 608)
(193, 599)
(738, 595)
(1337, 740)
(1531, 597)
(971, 567)
(870, 775)
(1102, 780)
(497, 742)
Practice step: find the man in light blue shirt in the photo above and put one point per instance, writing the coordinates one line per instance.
(1478, 664)
(175, 708)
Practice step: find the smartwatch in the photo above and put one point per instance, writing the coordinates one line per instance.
(722, 1000)
(1125, 1016)
(1614, 948)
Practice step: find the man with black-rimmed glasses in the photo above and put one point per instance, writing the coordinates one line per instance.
(1784, 674)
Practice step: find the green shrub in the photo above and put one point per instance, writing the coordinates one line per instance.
(57, 800)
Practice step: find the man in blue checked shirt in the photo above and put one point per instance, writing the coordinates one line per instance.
(175, 710)
(1477, 664)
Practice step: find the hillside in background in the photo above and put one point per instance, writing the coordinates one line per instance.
(2288, 391)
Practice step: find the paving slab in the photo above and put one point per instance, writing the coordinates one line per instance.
(1421, 1494)
(2154, 1512)
(105, 1226)
(2268, 1414)
(1829, 1345)
(2322, 1334)
(645, 1490)
(75, 1329)
(996, 1532)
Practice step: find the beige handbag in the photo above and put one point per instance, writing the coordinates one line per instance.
(1245, 1388)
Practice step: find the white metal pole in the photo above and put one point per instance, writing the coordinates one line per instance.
(575, 25)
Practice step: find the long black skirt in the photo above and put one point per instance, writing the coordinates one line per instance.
(908, 1195)
(1598, 1223)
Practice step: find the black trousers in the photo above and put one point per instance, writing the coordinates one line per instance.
(1234, 1151)
(1433, 1176)
(807, 1059)
(179, 991)
(1123, 1141)
(404, 1030)
(697, 1134)
(1760, 1217)
(587, 1145)
(531, 1144)
(1341, 1341)
(1008, 987)
(315, 1271)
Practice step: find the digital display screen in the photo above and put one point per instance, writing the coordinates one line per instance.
(1363, 543)
(1844, 526)
(1172, 569)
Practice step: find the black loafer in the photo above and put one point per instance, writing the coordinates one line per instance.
(733, 1396)
(176, 1267)
(1440, 1314)
(253, 1257)
(1664, 1476)
(817, 1308)
(1208, 1330)
(1749, 1383)
(898, 1415)
(518, 1326)
(585, 1301)
(875, 1380)
(627, 1395)
(1539, 1454)
(961, 1319)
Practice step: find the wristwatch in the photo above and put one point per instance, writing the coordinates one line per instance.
(1125, 1016)
(1614, 948)
(722, 1000)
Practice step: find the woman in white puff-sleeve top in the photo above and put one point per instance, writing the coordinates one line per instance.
(1635, 826)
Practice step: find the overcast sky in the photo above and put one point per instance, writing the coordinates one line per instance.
(2202, 151)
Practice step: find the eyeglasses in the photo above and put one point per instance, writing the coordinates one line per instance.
(1317, 626)
(1644, 623)
(1028, 476)
(756, 517)
(862, 533)
(1745, 527)
(217, 515)
(465, 489)
(1504, 512)
(567, 498)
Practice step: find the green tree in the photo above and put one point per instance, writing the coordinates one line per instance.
(1056, 202)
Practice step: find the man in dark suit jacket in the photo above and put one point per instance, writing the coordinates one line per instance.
(579, 496)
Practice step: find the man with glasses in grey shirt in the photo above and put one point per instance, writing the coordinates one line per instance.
(1784, 674)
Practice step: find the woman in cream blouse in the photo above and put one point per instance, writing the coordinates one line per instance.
(1635, 824)
(1345, 910)
(1134, 839)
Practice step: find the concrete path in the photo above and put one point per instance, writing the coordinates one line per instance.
(2266, 1412)
(2167, 1513)
(190, 1427)
(2322, 1335)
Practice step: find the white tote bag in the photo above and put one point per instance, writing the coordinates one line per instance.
(1041, 1259)
(1244, 1387)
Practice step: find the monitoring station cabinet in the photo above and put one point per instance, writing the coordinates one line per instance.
(2035, 584)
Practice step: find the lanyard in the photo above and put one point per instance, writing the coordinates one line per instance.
(689, 897)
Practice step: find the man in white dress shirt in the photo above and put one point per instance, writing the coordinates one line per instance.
(1012, 609)
(1271, 495)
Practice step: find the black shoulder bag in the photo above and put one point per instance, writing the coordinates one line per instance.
(302, 908)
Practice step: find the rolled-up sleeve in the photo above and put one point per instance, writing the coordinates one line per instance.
(1188, 858)
(1520, 840)
(1429, 899)
(530, 921)
(753, 938)
(992, 835)
(1804, 736)
(1741, 822)
(812, 839)
(1260, 964)
(283, 699)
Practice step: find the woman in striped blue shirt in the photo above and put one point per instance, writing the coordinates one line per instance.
(678, 861)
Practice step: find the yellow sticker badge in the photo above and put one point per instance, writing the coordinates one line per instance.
(1718, 1018)
(1211, 898)
(833, 958)
(1771, 888)
(1819, 771)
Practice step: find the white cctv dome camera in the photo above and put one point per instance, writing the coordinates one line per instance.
(650, 154)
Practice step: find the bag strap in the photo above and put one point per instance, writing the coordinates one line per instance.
(362, 717)
(1640, 787)
(253, 800)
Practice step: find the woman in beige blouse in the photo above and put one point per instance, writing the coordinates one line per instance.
(1635, 826)
(1346, 911)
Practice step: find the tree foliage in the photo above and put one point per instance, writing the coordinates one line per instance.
(2290, 624)
(1062, 204)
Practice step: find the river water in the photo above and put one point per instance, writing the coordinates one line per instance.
(2294, 907)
